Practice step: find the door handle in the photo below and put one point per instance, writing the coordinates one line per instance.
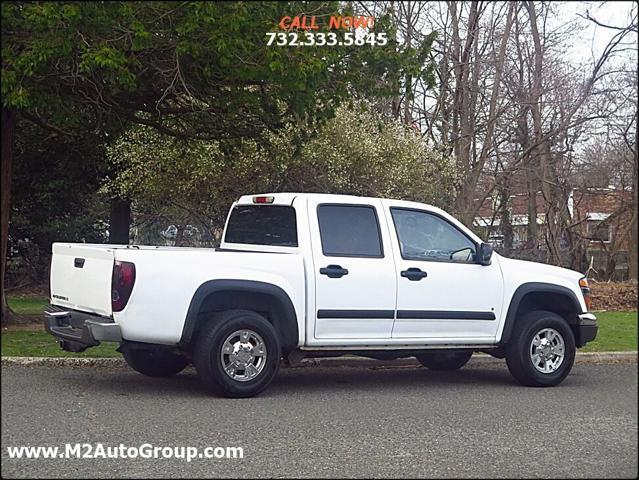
(334, 271)
(414, 274)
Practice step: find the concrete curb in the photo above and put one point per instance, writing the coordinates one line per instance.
(478, 360)
(117, 362)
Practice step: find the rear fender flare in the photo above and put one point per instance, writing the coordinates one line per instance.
(247, 295)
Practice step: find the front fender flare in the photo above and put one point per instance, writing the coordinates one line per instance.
(533, 287)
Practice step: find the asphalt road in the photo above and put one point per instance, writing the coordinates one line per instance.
(330, 422)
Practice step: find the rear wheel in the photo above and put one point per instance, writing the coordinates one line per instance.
(237, 354)
(444, 360)
(542, 350)
(155, 363)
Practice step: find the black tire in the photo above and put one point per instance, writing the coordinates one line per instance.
(208, 361)
(447, 360)
(519, 350)
(155, 363)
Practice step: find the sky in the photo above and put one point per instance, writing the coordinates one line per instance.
(591, 42)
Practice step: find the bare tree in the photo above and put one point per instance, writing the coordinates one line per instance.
(516, 113)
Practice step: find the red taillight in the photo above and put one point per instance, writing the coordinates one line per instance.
(121, 284)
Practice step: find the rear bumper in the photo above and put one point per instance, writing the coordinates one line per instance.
(77, 331)
(586, 328)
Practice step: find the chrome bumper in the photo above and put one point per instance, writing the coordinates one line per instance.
(77, 331)
(586, 329)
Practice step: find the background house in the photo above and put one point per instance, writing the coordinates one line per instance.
(597, 230)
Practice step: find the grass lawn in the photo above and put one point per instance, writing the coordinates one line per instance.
(27, 305)
(38, 343)
(617, 332)
(31, 340)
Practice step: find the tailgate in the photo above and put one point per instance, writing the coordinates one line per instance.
(81, 277)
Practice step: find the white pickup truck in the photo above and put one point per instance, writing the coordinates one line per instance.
(319, 275)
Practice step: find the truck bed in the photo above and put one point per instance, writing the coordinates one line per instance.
(166, 279)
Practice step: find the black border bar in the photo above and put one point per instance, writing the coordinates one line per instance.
(355, 314)
(444, 315)
(407, 314)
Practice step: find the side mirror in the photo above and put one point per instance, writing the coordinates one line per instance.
(484, 254)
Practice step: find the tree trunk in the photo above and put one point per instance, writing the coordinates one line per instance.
(506, 224)
(532, 234)
(179, 237)
(611, 265)
(408, 87)
(632, 250)
(119, 221)
(466, 206)
(462, 110)
(539, 153)
(8, 142)
(579, 246)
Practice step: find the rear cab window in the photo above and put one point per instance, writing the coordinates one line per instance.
(349, 231)
(271, 225)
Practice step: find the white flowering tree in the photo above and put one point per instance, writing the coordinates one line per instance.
(192, 183)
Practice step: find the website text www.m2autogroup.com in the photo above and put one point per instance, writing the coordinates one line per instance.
(121, 451)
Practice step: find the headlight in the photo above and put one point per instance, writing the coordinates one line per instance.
(585, 291)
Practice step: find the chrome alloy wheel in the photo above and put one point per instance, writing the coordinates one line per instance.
(243, 355)
(547, 350)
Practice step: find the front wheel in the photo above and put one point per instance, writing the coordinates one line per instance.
(447, 360)
(542, 350)
(237, 354)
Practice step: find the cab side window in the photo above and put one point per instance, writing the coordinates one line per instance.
(349, 231)
(424, 236)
